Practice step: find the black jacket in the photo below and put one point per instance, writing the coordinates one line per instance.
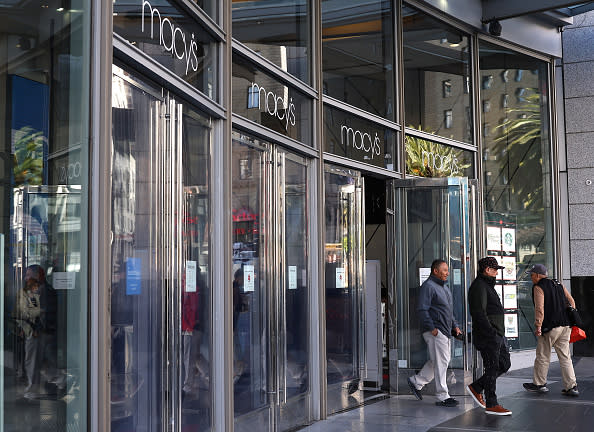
(486, 310)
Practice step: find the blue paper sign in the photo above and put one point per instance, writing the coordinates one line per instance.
(133, 271)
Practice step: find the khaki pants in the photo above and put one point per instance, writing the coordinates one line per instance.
(437, 365)
(557, 338)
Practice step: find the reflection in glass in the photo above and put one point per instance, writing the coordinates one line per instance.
(518, 143)
(249, 283)
(435, 53)
(196, 320)
(191, 55)
(143, 286)
(44, 100)
(357, 54)
(426, 158)
(278, 30)
(137, 284)
(263, 99)
(296, 243)
(341, 254)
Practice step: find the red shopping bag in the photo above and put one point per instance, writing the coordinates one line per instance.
(577, 334)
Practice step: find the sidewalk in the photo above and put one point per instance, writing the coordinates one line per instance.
(532, 412)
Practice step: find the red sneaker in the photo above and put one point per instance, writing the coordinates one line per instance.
(497, 410)
(478, 398)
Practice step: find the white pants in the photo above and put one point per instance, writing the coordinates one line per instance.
(437, 365)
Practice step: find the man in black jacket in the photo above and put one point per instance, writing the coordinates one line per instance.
(488, 336)
(552, 330)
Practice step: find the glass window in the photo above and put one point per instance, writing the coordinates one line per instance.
(436, 77)
(516, 168)
(209, 6)
(261, 98)
(278, 30)
(172, 37)
(44, 69)
(426, 158)
(358, 54)
(358, 139)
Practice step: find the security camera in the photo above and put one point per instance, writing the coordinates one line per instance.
(495, 28)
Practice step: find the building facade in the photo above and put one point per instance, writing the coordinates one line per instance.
(217, 215)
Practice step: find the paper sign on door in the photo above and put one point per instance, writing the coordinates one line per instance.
(248, 278)
(340, 277)
(292, 277)
(190, 276)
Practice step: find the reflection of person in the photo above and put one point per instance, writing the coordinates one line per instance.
(238, 307)
(39, 297)
(193, 361)
(29, 313)
(488, 336)
(435, 309)
(552, 330)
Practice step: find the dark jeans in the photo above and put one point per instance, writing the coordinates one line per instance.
(496, 362)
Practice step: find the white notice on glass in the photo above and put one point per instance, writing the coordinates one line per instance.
(510, 297)
(340, 277)
(508, 236)
(509, 272)
(64, 280)
(248, 278)
(493, 238)
(511, 325)
(424, 273)
(292, 277)
(190, 276)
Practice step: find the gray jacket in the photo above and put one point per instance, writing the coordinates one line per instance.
(435, 307)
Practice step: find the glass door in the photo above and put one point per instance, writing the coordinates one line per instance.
(160, 297)
(271, 286)
(344, 258)
(435, 224)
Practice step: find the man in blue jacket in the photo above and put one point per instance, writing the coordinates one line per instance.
(436, 311)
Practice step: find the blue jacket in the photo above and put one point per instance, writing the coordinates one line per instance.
(436, 307)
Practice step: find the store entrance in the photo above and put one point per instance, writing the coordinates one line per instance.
(271, 286)
(437, 222)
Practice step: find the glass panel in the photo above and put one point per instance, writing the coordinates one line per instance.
(278, 30)
(250, 297)
(209, 6)
(517, 168)
(435, 227)
(138, 288)
(358, 54)
(44, 112)
(196, 320)
(296, 242)
(358, 139)
(437, 91)
(260, 98)
(172, 37)
(426, 158)
(341, 254)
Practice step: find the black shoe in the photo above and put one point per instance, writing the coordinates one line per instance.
(571, 392)
(449, 402)
(531, 387)
(413, 389)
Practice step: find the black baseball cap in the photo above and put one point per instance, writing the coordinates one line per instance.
(489, 262)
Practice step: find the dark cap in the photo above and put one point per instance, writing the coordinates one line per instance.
(538, 269)
(489, 262)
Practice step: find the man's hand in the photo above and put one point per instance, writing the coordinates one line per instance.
(434, 332)
(538, 331)
(457, 331)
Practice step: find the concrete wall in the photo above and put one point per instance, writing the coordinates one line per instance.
(578, 83)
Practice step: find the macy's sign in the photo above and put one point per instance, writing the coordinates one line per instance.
(172, 37)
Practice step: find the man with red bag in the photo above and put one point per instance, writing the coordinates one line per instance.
(552, 329)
